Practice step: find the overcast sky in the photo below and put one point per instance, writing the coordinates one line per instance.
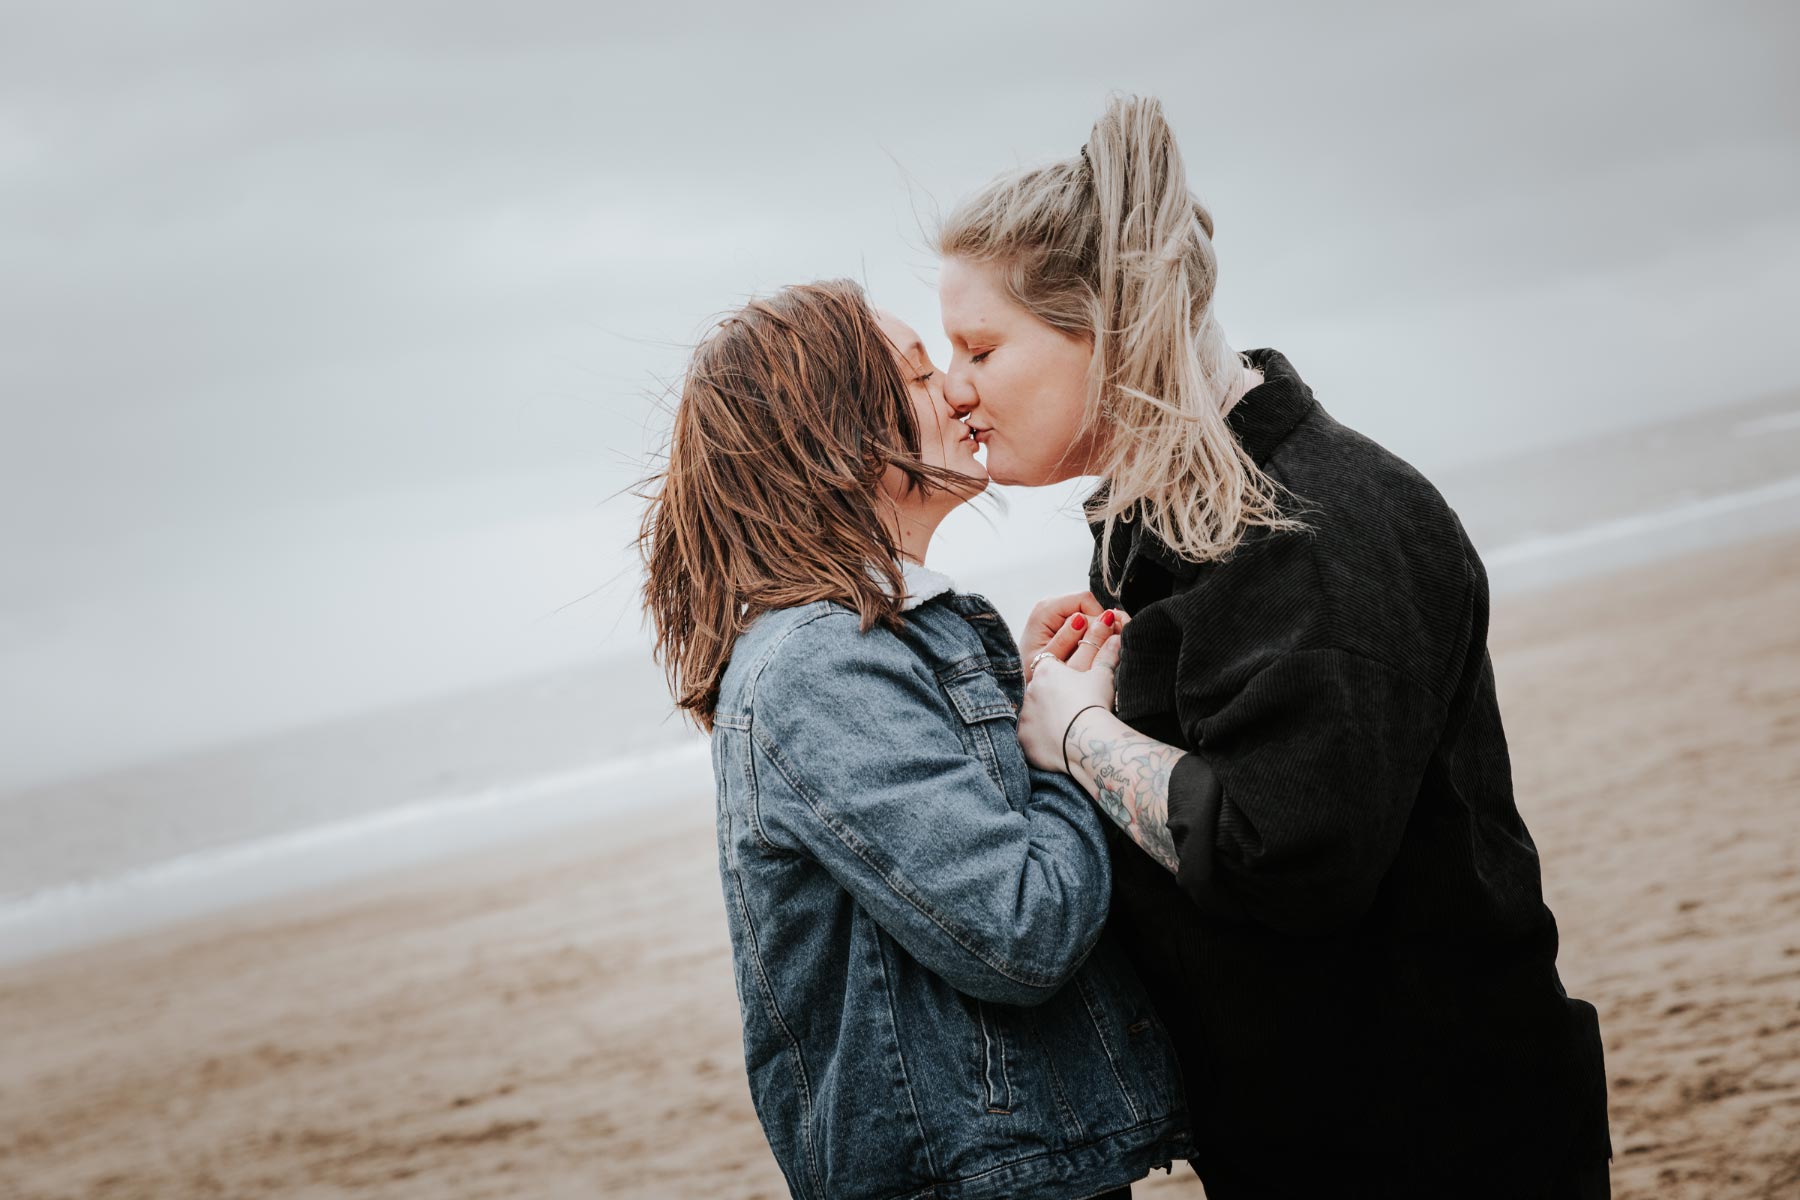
(327, 328)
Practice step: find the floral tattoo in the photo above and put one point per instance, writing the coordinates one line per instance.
(1131, 784)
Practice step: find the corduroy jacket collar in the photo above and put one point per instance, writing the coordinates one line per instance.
(1260, 421)
(1269, 411)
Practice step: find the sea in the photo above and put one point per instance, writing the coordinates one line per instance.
(115, 854)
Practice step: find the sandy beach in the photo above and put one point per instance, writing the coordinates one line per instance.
(558, 1020)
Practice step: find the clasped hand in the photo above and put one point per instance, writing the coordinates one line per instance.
(1071, 651)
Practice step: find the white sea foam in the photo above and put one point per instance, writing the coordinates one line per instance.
(69, 915)
(1644, 537)
(1779, 422)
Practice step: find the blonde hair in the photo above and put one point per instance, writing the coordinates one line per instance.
(1113, 246)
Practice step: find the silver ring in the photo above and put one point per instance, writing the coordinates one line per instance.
(1085, 642)
(1040, 656)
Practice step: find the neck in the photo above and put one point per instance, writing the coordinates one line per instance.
(911, 528)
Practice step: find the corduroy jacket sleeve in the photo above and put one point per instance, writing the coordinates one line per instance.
(1291, 805)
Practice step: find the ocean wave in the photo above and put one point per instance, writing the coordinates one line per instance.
(65, 916)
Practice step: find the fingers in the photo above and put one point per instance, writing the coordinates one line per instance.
(1049, 616)
(1099, 634)
(1049, 613)
(1107, 657)
(1106, 664)
(1061, 643)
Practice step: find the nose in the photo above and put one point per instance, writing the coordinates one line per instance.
(959, 390)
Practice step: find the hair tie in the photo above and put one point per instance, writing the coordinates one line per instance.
(1086, 161)
(1071, 729)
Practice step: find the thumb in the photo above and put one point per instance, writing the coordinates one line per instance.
(1108, 655)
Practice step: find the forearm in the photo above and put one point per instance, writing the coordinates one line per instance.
(1127, 774)
(1008, 918)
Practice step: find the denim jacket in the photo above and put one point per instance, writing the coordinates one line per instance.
(931, 1004)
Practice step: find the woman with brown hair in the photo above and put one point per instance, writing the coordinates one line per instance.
(1320, 872)
(931, 1004)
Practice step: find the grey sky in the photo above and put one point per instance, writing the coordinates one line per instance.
(324, 327)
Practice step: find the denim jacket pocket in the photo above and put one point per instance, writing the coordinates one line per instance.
(981, 707)
(996, 1079)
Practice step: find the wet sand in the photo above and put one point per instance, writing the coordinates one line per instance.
(558, 1020)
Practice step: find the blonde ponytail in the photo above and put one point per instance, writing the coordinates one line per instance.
(1113, 245)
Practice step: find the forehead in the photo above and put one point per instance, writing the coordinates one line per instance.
(971, 296)
(905, 338)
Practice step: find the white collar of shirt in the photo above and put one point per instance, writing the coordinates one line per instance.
(922, 583)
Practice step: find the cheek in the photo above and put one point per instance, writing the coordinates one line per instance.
(921, 406)
(1055, 397)
(1013, 393)
(926, 421)
(1069, 394)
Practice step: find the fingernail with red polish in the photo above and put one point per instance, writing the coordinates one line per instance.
(1079, 622)
(1107, 616)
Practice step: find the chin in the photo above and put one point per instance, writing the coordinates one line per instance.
(974, 483)
(1008, 475)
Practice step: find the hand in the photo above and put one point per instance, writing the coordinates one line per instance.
(1049, 626)
(1059, 690)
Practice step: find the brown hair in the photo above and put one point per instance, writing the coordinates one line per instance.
(791, 411)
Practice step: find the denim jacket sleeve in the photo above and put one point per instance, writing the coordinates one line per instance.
(860, 767)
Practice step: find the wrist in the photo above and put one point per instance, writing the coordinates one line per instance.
(1082, 725)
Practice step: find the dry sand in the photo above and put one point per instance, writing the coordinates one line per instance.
(559, 1021)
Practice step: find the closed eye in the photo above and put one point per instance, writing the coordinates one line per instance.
(925, 378)
(975, 358)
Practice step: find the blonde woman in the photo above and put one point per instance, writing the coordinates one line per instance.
(1319, 870)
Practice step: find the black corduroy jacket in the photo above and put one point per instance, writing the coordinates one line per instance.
(1355, 959)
